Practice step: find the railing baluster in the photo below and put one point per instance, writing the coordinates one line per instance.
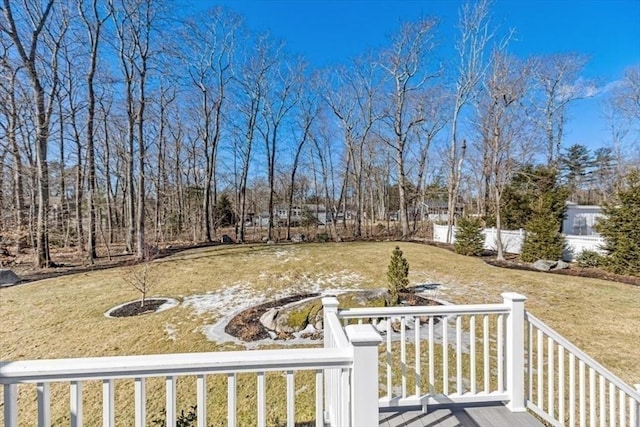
(10, 404)
(583, 393)
(592, 397)
(459, 389)
(418, 362)
(44, 405)
(572, 389)
(603, 405)
(445, 355)
(550, 377)
(345, 396)
(612, 405)
(319, 399)
(231, 399)
(262, 407)
(623, 412)
(389, 386)
(500, 332)
(140, 404)
(472, 356)
(633, 412)
(75, 404)
(403, 355)
(485, 356)
(530, 359)
(561, 413)
(108, 410)
(291, 402)
(170, 406)
(432, 371)
(201, 400)
(540, 350)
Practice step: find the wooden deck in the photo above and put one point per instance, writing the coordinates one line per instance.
(459, 415)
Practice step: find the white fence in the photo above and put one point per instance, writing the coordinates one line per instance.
(512, 241)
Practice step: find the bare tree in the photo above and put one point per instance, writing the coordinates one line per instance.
(475, 34)
(557, 77)
(40, 61)
(207, 51)
(405, 63)
(284, 93)
(502, 124)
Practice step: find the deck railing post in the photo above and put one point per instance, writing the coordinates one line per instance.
(331, 376)
(637, 386)
(515, 351)
(364, 375)
(329, 305)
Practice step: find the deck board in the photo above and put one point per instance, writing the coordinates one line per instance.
(458, 416)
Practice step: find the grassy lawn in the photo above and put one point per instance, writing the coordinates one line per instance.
(63, 317)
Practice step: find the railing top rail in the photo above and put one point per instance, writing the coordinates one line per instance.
(173, 364)
(610, 376)
(438, 310)
(335, 328)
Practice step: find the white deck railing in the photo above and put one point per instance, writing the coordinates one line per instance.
(430, 355)
(108, 370)
(567, 387)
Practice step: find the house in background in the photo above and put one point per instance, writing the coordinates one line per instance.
(298, 213)
(580, 219)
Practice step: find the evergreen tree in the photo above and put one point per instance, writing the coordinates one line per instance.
(469, 237)
(224, 211)
(575, 164)
(397, 275)
(620, 228)
(543, 239)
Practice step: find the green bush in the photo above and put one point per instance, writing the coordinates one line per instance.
(543, 239)
(397, 275)
(469, 237)
(322, 237)
(620, 228)
(589, 258)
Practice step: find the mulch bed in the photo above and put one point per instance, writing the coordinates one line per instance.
(246, 324)
(593, 273)
(247, 327)
(151, 305)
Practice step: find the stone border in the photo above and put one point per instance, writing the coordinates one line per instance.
(168, 304)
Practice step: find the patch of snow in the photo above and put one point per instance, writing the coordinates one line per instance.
(170, 303)
(171, 331)
(222, 302)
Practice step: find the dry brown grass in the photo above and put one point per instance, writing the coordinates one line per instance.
(63, 317)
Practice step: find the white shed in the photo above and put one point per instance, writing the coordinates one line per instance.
(580, 219)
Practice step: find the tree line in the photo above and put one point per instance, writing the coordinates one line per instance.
(121, 121)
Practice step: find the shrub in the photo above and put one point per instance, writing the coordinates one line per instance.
(322, 237)
(397, 275)
(589, 258)
(620, 228)
(469, 237)
(543, 239)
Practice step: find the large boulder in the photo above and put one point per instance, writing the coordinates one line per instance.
(560, 265)
(8, 277)
(296, 317)
(544, 264)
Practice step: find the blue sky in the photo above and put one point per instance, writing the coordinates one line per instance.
(330, 32)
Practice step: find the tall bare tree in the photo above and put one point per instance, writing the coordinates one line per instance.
(475, 34)
(557, 78)
(40, 61)
(406, 64)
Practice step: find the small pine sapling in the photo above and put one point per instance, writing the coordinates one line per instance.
(469, 237)
(397, 275)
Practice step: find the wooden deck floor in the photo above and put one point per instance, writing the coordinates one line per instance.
(459, 415)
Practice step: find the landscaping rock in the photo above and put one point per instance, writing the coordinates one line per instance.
(544, 265)
(226, 239)
(8, 277)
(268, 319)
(381, 326)
(561, 265)
(298, 238)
